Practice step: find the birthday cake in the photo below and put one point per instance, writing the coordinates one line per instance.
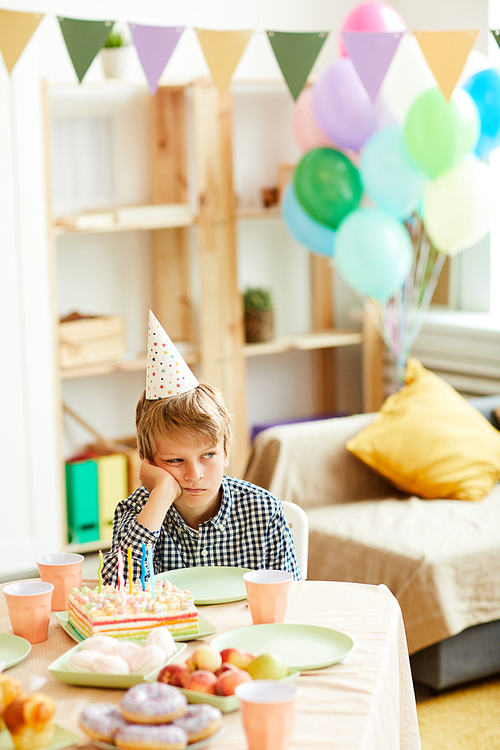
(121, 614)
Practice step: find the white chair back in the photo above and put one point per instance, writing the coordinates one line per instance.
(299, 527)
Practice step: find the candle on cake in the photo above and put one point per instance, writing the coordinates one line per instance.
(151, 573)
(130, 570)
(99, 573)
(143, 566)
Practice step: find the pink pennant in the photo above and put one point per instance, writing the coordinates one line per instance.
(155, 45)
(371, 53)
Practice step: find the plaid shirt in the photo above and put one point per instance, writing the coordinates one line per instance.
(249, 531)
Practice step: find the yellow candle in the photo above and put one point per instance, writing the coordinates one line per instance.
(129, 561)
(99, 573)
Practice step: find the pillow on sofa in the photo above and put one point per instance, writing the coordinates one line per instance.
(429, 441)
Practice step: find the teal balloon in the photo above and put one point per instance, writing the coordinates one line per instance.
(314, 236)
(438, 133)
(389, 175)
(484, 87)
(327, 185)
(374, 253)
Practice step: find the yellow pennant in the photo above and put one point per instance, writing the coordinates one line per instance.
(446, 53)
(16, 29)
(223, 51)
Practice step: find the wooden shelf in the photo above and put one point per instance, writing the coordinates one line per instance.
(126, 219)
(258, 213)
(304, 342)
(110, 368)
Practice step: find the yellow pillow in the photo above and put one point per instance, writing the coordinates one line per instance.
(428, 441)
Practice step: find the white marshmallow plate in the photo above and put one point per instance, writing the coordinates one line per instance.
(59, 668)
(193, 746)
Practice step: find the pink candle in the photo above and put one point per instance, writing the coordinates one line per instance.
(121, 582)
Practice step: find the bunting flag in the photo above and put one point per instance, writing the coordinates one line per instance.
(83, 41)
(446, 53)
(223, 51)
(496, 35)
(16, 29)
(154, 45)
(296, 54)
(371, 54)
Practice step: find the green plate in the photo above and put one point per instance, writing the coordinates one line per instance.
(62, 738)
(59, 668)
(13, 649)
(210, 584)
(226, 703)
(205, 628)
(302, 647)
(193, 746)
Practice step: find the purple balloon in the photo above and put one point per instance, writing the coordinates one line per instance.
(342, 107)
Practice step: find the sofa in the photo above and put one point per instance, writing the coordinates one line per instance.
(439, 557)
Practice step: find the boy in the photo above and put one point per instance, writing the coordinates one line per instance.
(186, 509)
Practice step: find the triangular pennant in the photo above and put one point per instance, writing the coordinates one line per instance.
(296, 53)
(446, 53)
(496, 35)
(16, 29)
(167, 373)
(154, 45)
(83, 40)
(371, 53)
(223, 51)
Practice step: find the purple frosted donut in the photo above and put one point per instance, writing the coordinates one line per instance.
(200, 721)
(151, 737)
(101, 720)
(153, 703)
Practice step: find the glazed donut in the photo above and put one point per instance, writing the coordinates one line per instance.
(151, 737)
(100, 721)
(200, 721)
(153, 703)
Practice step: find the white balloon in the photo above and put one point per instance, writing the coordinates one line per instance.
(458, 206)
(408, 76)
(475, 63)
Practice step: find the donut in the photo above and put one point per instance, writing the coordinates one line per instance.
(147, 659)
(153, 703)
(100, 721)
(200, 721)
(151, 737)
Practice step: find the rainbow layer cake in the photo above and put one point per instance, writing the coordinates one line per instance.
(124, 615)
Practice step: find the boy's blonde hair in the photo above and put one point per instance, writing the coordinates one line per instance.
(201, 414)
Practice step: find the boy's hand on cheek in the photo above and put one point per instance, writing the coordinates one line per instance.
(152, 476)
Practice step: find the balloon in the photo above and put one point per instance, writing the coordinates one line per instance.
(458, 206)
(305, 128)
(327, 185)
(484, 88)
(374, 252)
(308, 232)
(371, 16)
(389, 175)
(342, 107)
(439, 133)
(408, 77)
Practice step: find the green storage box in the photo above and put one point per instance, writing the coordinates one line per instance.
(82, 501)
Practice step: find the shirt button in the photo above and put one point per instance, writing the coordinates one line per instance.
(204, 552)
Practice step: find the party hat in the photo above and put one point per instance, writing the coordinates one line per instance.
(167, 373)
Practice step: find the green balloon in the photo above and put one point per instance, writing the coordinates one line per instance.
(327, 185)
(439, 133)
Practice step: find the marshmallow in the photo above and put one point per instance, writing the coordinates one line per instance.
(149, 658)
(111, 664)
(83, 660)
(103, 643)
(127, 650)
(162, 637)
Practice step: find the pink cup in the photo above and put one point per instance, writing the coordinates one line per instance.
(267, 709)
(267, 594)
(64, 570)
(29, 608)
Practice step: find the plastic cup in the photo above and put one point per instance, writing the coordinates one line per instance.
(267, 594)
(29, 608)
(267, 710)
(64, 570)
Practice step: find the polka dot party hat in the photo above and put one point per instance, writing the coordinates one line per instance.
(167, 373)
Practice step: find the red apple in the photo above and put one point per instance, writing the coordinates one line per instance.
(237, 656)
(205, 657)
(174, 674)
(202, 681)
(227, 682)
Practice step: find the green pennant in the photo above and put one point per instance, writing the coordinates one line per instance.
(296, 53)
(83, 40)
(496, 35)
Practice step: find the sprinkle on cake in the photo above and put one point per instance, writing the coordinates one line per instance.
(121, 614)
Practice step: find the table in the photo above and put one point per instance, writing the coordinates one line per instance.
(368, 703)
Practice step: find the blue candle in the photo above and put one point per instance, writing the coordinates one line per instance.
(151, 573)
(143, 566)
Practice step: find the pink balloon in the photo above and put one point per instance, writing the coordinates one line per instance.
(305, 128)
(371, 16)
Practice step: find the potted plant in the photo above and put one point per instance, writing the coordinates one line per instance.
(115, 55)
(259, 319)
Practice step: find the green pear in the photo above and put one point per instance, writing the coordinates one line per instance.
(267, 667)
